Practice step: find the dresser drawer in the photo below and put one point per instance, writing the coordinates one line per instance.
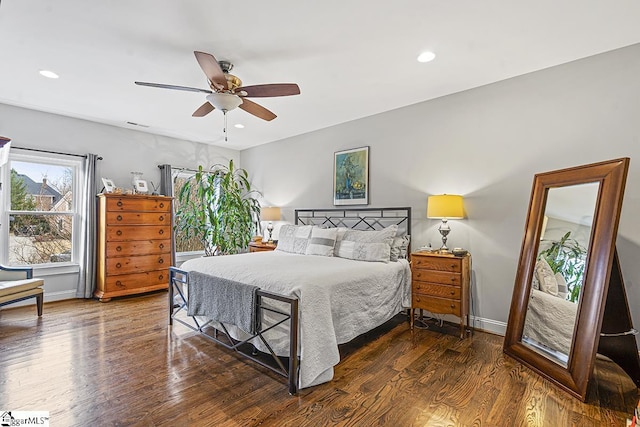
(124, 265)
(441, 277)
(436, 290)
(137, 280)
(139, 247)
(436, 305)
(437, 263)
(138, 218)
(131, 232)
(138, 204)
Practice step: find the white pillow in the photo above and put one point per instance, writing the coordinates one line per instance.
(293, 238)
(367, 245)
(322, 241)
(399, 248)
(546, 277)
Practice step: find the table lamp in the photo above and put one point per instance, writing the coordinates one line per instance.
(270, 213)
(445, 207)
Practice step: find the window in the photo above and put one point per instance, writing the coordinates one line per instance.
(183, 244)
(39, 210)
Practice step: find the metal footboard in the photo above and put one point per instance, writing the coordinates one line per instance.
(179, 279)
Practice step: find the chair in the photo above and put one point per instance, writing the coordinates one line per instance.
(18, 284)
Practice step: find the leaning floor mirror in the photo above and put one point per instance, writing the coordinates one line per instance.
(569, 302)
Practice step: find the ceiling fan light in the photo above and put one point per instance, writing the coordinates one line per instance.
(224, 101)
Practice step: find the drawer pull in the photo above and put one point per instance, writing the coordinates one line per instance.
(161, 218)
(161, 232)
(161, 261)
(119, 203)
(118, 283)
(452, 293)
(119, 218)
(118, 265)
(118, 248)
(453, 306)
(161, 204)
(119, 232)
(161, 245)
(160, 277)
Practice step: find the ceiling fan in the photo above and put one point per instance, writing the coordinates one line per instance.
(227, 92)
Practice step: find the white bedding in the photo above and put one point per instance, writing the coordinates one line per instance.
(339, 299)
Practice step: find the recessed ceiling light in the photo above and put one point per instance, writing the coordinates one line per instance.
(239, 126)
(49, 74)
(426, 57)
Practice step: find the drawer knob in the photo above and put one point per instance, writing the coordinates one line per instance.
(453, 266)
(161, 245)
(161, 204)
(119, 203)
(161, 232)
(161, 261)
(161, 218)
(453, 306)
(119, 232)
(160, 277)
(119, 218)
(118, 265)
(453, 293)
(118, 283)
(118, 248)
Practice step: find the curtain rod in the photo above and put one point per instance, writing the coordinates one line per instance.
(54, 152)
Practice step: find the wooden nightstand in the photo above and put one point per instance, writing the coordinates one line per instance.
(261, 247)
(440, 284)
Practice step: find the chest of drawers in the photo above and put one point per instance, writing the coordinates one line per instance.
(440, 285)
(134, 244)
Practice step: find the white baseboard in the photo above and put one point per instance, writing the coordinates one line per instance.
(489, 325)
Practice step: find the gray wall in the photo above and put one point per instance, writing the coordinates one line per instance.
(486, 144)
(123, 151)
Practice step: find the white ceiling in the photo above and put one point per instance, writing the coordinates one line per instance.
(351, 58)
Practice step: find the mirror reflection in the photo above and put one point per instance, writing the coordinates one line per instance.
(559, 270)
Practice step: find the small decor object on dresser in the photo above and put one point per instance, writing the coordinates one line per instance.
(134, 244)
(440, 285)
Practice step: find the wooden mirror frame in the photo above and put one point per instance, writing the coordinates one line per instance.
(574, 378)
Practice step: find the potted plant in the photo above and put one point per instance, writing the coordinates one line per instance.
(218, 207)
(567, 257)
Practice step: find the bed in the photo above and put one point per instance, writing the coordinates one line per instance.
(303, 304)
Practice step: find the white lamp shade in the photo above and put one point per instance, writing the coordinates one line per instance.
(224, 101)
(270, 213)
(445, 206)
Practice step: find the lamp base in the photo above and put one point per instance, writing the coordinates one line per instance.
(444, 231)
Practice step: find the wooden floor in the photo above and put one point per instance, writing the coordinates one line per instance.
(118, 364)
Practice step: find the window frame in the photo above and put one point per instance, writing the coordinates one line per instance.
(76, 165)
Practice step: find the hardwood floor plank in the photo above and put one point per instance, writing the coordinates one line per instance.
(118, 364)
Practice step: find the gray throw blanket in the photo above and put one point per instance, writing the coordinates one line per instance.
(223, 300)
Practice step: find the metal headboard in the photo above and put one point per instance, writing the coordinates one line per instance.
(357, 219)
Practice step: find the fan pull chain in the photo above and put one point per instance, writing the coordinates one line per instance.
(225, 125)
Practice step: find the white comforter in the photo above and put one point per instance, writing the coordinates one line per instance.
(339, 299)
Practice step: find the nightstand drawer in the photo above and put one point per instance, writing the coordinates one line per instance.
(437, 263)
(441, 277)
(436, 290)
(436, 305)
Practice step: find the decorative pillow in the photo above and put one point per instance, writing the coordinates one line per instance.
(399, 248)
(546, 277)
(366, 245)
(563, 289)
(322, 241)
(293, 238)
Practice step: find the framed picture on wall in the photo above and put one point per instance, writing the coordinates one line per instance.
(351, 177)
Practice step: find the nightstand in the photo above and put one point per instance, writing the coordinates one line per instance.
(440, 285)
(261, 247)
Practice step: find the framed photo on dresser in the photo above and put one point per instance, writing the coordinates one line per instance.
(351, 177)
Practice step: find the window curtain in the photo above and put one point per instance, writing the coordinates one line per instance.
(88, 228)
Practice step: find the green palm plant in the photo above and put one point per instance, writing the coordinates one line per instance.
(567, 257)
(218, 207)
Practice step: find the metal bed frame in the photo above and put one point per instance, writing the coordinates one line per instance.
(359, 219)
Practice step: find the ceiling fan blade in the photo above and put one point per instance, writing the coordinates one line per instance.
(267, 90)
(211, 68)
(203, 110)
(163, 86)
(257, 110)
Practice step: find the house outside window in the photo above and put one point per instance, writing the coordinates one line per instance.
(39, 210)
